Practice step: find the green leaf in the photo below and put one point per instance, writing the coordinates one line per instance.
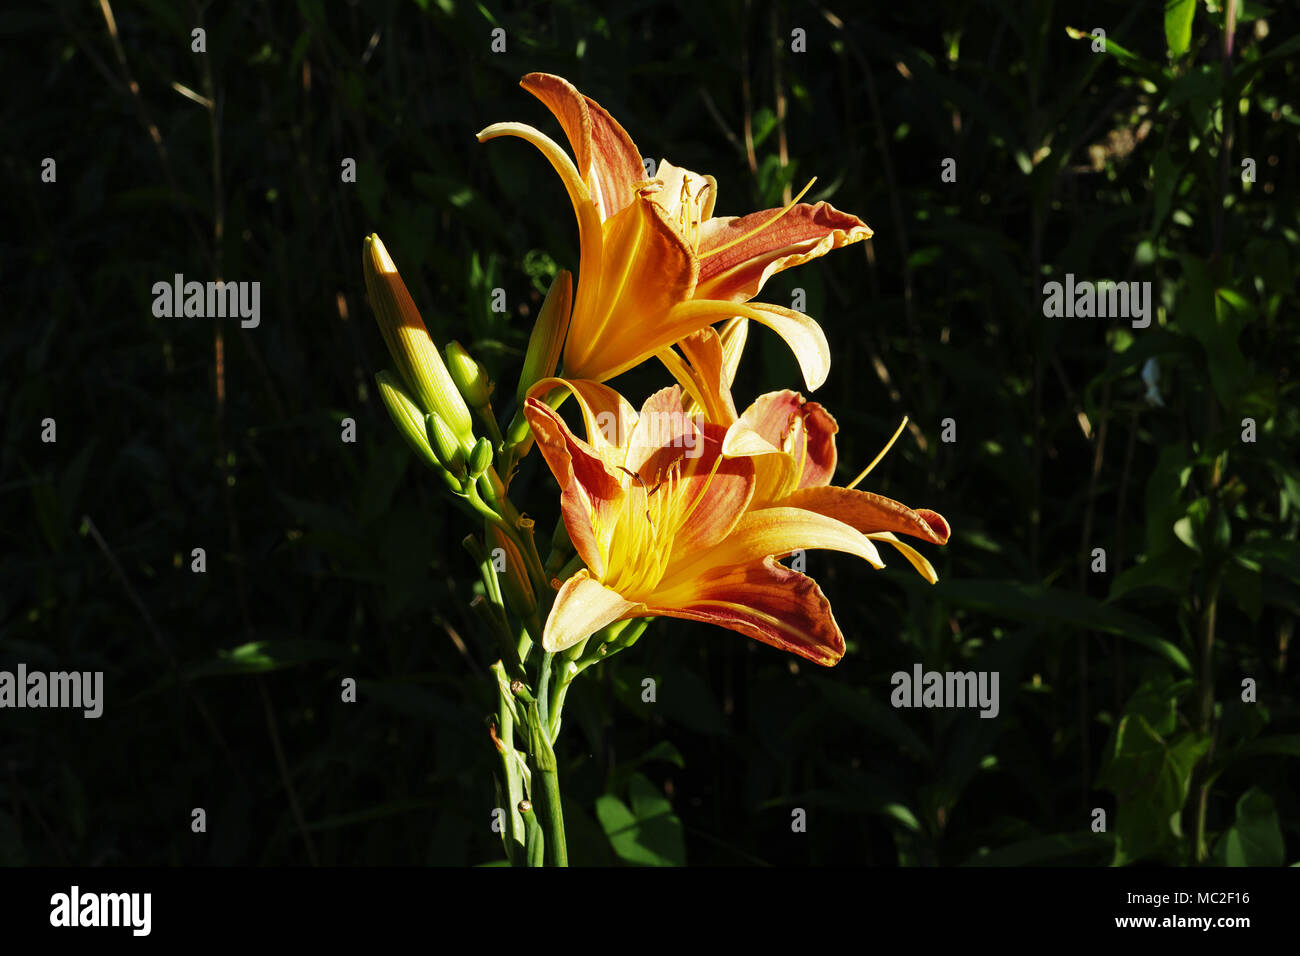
(1281, 745)
(646, 834)
(1039, 850)
(1178, 26)
(868, 710)
(1246, 588)
(1020, 601)
(1126, 57)
(1170, 572)
(1150, 778)
(1255, 839)
(1164, 180)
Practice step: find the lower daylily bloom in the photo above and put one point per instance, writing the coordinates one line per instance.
(667, 526)
(656, 265)
(791, 442)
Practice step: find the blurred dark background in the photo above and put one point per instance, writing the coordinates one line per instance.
(327, 560)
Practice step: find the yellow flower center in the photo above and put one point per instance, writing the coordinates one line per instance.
(637, 545)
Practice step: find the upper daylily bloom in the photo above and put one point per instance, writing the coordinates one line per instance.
(656, 265)
(668, 526)
(791, 442)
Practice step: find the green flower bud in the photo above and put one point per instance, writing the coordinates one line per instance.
(446, 445)
(406, 416)
(468, 375)
(418, 361)
(480, 459)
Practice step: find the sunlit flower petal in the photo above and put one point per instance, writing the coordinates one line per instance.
(656, 265)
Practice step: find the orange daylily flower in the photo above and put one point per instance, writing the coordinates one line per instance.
(668, 525)
(791, 442)
(656, 265)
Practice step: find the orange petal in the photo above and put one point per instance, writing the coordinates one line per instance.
(663, 434)
(766, 601)
(734, 332)
(804, 232)
(812, 446)
(586, 483)
(703, 350)
(802, 433)
(801, 333)
(606, 156)
(774, 470)
(916, 558)
(582, 607)
(776, 532)
(870, 513)
(819, 456)
(713, 494)
(608, 416)
(695, 399)
(590, 235)
(647, 270)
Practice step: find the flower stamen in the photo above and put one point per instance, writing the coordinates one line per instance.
(759, 228)
(884, 451)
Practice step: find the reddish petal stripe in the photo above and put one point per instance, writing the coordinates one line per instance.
(768, 602)
(569, 107)
(804, 232)
(714, 494)
(585, 483)
(867, 512)
(616, 162)
(606, 156)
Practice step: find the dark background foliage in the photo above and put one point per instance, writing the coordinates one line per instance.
(1121, 689)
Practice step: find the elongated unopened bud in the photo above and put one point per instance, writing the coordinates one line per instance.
(547, 339)
(418, 360)
(468, 375)
(515, 586)
(446, 445)
(406, 416)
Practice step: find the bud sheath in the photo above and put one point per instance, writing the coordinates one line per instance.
(408, 341)
(548, 334)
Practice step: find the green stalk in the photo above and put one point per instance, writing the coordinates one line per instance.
(515, 835)
(546, 787)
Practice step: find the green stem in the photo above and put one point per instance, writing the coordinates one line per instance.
(495, 611)
(543, 683)
(515, 835)
(546, 780)
(553, 819)
(1206, 708)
